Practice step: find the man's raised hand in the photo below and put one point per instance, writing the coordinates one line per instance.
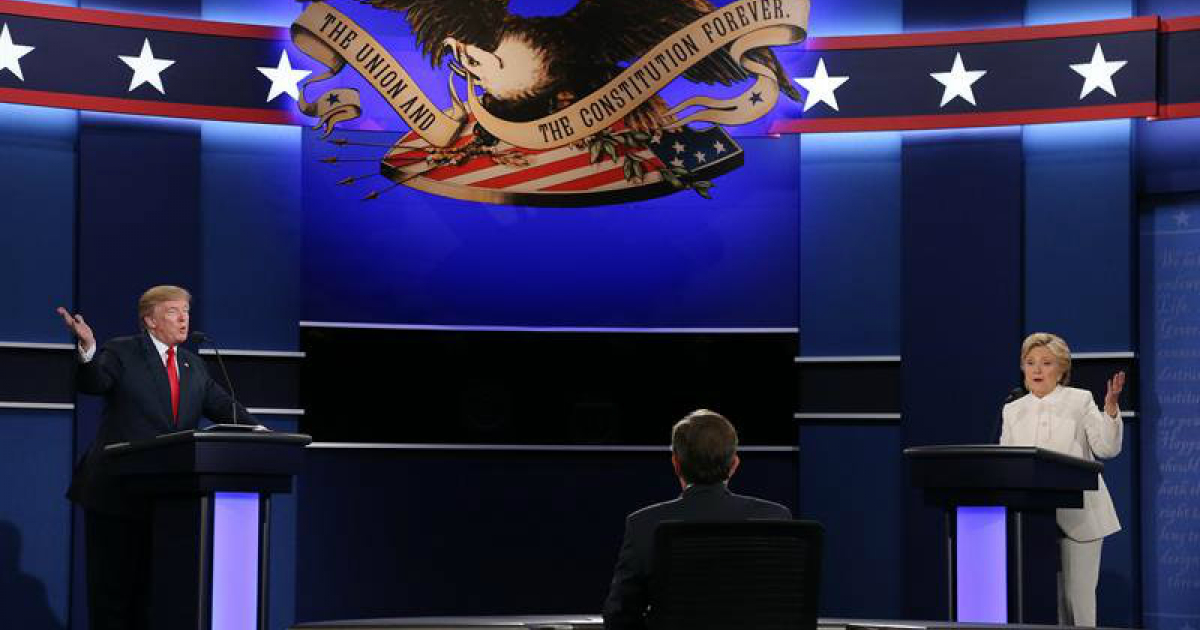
(79, 328)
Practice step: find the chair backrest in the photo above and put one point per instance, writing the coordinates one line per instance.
(748, 575)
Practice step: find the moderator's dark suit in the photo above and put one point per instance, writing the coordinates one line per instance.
(629, 593)
(129, 373)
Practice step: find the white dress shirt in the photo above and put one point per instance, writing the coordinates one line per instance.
(87, 356)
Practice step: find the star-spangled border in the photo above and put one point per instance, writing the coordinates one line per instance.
(151, 103)
(1015, 40)
(1174, 91)
(137, 20)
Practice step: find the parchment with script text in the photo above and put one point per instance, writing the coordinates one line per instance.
(1170, 366)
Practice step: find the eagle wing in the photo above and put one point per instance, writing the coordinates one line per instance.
(476, 22)
(623, 30)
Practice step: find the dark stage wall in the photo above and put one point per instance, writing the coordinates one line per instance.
(451, 531)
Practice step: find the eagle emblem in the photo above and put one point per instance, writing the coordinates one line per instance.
(562, 110)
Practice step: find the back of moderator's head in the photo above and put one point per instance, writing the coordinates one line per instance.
(705, 444)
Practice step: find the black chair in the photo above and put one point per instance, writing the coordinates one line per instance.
(749, 575)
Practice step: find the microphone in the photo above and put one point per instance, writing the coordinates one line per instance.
(1013, 394)
(200, 338)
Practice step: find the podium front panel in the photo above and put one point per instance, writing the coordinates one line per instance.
(981, 564)
(235, 561)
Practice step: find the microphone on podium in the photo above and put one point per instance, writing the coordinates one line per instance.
(1013, 394)
(201, 338)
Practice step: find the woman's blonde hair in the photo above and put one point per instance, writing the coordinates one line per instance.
(1056, 346)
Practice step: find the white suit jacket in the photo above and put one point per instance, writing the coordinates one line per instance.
(1067, 420)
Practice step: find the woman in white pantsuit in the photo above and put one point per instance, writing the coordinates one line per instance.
(1065, 419)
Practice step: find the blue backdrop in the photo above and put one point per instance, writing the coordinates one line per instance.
(679, 261)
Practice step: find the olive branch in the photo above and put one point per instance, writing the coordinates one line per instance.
(603, 145)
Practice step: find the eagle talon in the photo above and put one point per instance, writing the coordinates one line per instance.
(482, 137)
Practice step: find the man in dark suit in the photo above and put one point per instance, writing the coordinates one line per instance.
(151, 386)
(704, 453)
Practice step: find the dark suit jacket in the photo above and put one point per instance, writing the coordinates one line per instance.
(629, 593)
(128, 372)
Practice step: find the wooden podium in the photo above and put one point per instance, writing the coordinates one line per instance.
(210, 494)
(1001, 533)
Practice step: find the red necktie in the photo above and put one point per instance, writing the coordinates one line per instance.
(173, 379)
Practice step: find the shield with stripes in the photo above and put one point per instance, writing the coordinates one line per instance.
(618, 165)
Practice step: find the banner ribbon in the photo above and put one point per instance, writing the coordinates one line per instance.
(334, 40)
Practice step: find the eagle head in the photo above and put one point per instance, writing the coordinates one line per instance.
(517, 69)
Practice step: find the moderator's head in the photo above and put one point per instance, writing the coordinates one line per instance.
(704, 445)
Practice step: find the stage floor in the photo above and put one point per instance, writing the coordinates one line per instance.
(594, 622)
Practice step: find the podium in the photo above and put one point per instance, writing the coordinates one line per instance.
(209, 493)
(1001, 533)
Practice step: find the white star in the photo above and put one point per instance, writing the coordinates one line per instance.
(1098, 73)
(284, 78)
(820, 87)
(700, 157)
(147, 69)
(718, 147)
(958, 81)
(10, 53)
(678, 147)
(1182, 219)
(677, 163)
